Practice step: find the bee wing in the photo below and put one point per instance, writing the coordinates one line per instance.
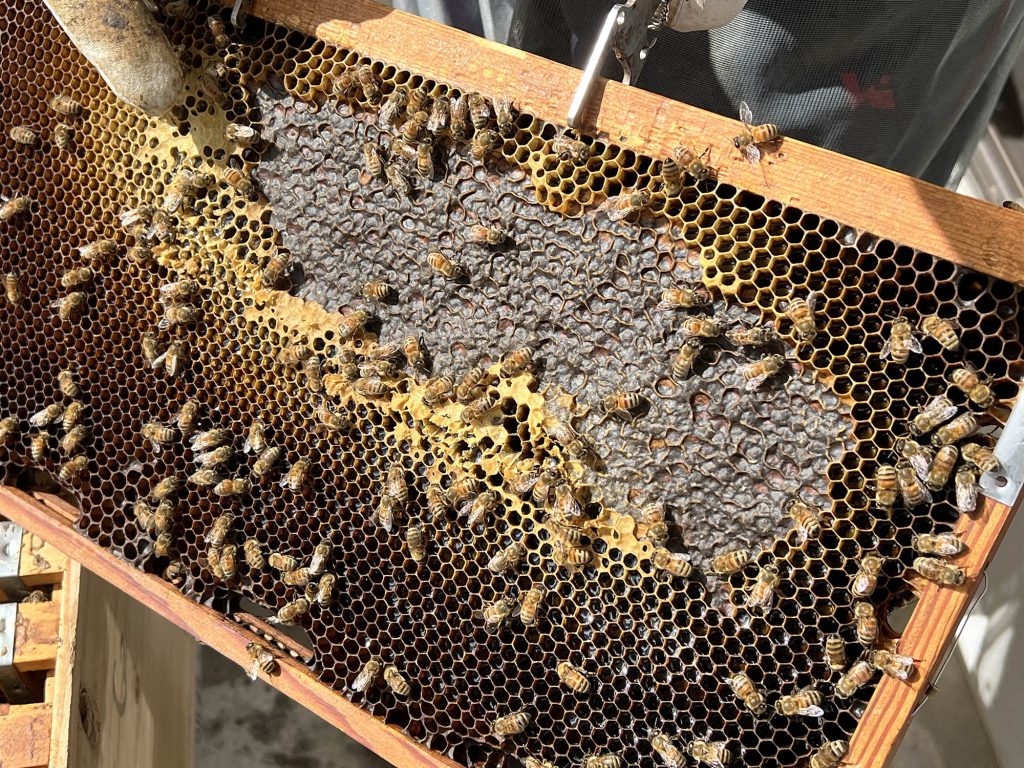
(745, 114)
(967, 497)
(752, 153)
(756, 382)
(886, 349)
(811, 711)
(915, 344)
(254, 667)
(920, 464)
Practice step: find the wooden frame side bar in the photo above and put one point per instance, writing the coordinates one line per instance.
(928, 638)
(911, 212)
(47, 516)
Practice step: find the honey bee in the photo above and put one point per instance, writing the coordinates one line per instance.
(458, 112)
(368, 675)
(160, 435)
(242, 182)
(141, 254)
(971, 383)
(414, 126)
(219, 530)
(446, 267)
(503, 117)
(653, 516)
(624, 405)
(886, 486)
(901, 342)
(684, 298)
(701, 326)
(533, 762)
(835, 652)
(72, 469)
(387, 510)
(416, 539)
(143, 514)
(603, 761)
(830, 755)
(229, 562)
(211, 438)
(281, 562)
(530, 603)
(438, 120)
(21, 134)
(569, 554)
(867, 623)
(204, 477)
(66, 105)
(47, 416)
(297, 578)
(13, 289)
(253, 554)
(437, 390)
(164, 516)
(10, 428)
(399, 183)
(438, 502)
(414, 354)
(919, 456)
(477, 510)
(372, 369)
(966, 484)
(495, 614)
(619, 207)
(942, 330)
(396, 681)
(759, 371)
(78, 277)
(937, 411)
(865, 581)
(38, 446)
(63, 135)
(942, 467)
(378, 290)
(256, 438)
(371, 387)
(752, 336)
(569, 147)
(163, 545)
(332, 420)
(574, 678)
(277, 268)
(892, 664)
(462, 490)
(71, 307)
(425, 158)
(374, 159)
(369, 84)
(294, 354)
(266, 461)
(507, 558)
(180, 314)
(939, 571)
(805, 702)
(942, 544)
(166, 488)
(715, 754)
(566, 508)
(416, 100)
(242, 135)
(800, 312)
(344, 84)
(695, 165)
(216, 457)
(261, 658)
(670, 754)
(479, 111)
(291, 612)
(73, 415)
(314, 374)
(749, 141)
(325, 590)
(477, 409)
(484, 142)
(855, 678)
(74, 440)
(511, 725)
(179, 290)
(962, 426)
(730, 562)
(218, 31)
(174, 572)
(682, 362)
(16, 206)
(351, 323)
(672, 563)
(98, 252)
(762, 594)
(67, 383)
(470, 385)
(807, 518)
(484, 235)
(297, 477)
(671, 177)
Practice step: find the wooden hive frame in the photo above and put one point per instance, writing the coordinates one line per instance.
(967, 232)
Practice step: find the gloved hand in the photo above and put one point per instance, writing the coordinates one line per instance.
(694, 15)
(131, 52)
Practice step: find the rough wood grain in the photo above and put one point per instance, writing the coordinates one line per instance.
(928, 638)
(36, 636)
(40, 563)
(25, 736)
(970, 232)
(61, 680)
(47, 516)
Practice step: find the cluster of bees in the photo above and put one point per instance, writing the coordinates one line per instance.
(418, 124)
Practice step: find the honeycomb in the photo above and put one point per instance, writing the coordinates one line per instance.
(578, 287)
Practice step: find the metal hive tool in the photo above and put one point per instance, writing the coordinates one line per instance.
(581, 290)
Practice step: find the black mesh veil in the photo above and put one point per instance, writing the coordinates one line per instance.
(906, 84)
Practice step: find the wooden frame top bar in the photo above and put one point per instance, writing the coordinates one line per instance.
(966, 231)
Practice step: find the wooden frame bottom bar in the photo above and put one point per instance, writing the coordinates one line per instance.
(928, 637)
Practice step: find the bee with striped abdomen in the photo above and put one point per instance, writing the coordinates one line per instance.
(753, 137)
(901, 341)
